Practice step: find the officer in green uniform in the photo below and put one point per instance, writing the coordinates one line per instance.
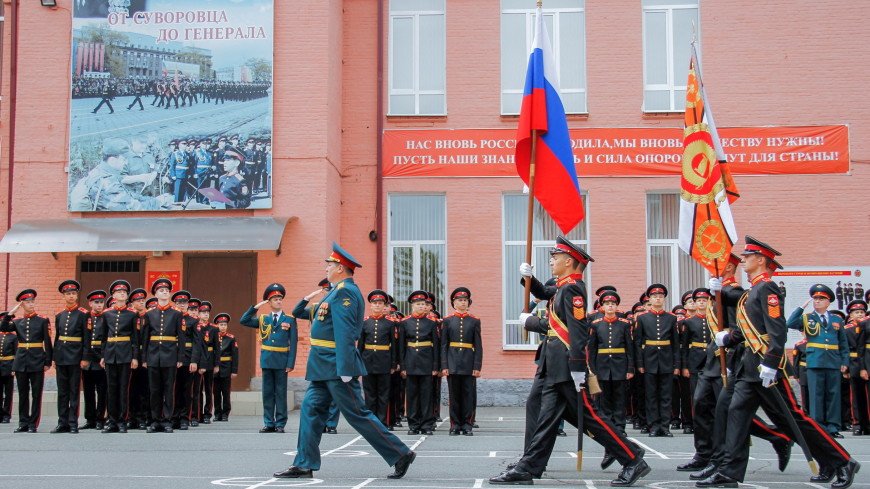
(827, 356)
(278, 336)
(334, 365)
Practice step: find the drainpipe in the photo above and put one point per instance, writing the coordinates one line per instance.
(13, 97)
(379, 192)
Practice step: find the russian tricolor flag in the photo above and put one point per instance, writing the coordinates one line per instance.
(556, 186)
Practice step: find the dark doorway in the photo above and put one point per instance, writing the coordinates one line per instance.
(95, 272)
(229, 282)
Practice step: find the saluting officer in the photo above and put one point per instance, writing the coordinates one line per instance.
(379, 354)
(612, 358)
(162, 354)
(32, 358)
(278, 335)
(228, 369)
(827, 356)
(419, 362)
(190, 353)
(857, 337)
(461, 360)
(657, 338)
(140, 411)
(119, 352)
(70, 346)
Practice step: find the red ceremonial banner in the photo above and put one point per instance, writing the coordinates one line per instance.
(617, 152)
(174, 276)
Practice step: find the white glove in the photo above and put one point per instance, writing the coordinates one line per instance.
(715, 284)
(720, 338)
(768, 376)
(526, 270)
(728, 372)
(579, 379)
(346, 378)
(523, 317)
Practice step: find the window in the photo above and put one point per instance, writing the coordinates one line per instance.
(417, 255)
(566, 25)
(667, 35)
(543, 238)
(666, 263)
(418, 62)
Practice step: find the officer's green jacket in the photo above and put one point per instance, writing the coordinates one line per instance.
(827, 346)
(277, 346)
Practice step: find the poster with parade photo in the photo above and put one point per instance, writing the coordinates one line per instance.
(171, 105)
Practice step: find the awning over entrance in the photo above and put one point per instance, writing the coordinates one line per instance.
(145, 234)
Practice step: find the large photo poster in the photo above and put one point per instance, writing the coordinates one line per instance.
(171, 105)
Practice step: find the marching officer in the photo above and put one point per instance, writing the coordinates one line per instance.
(761, 324)
(8, 346)
(190, 353)
(32, 358)
(827, 357)
(140, 412)
(228, 369)
(857, 338)
(419, 362)
(657, 339)
(209, 335)
(612, 358)
(461, 360)
(70, 346)
(695, 340)
(379, 353)
(119, 352)
(278, 335)
(94, 375)
(162, 354)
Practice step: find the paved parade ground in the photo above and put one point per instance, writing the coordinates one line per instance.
(234, 455)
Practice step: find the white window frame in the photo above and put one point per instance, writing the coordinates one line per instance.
(440, 295)
(512, 317)
(557, 43)
(676, 105)
(414, 15)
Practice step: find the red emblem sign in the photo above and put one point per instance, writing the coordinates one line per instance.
(773, 300)
(578, 301)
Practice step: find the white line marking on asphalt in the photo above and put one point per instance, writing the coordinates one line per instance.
(157, 121)
(261, 484)
(571, 454)
(491, 454)
(418, 442)
(478, 483)
(650, 449)
(501, 418)
(815, 485)
(364, 483)
(343, 446)
(589, 484)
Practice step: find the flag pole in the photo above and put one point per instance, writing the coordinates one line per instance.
(530, 216)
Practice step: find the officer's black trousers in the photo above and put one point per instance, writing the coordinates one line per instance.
(420, 414)
(474, 400)
(558, 400)
(136, 100)
(612, 402)
(183, 395)
(860, 405)
(397, 398)
(638, 387)
(30, 408)
(7, 384)
(69, 380)
(207, 395)
(748, 396)
(805, 397)
(533, 409)
(94, 382)
(161, 384)
(376, 388)
(196, 396)
(222, 403)
(707, 392)
(117, 391)
(657, 391)
(461, 398)
(847, 414)
(687, 394)
(436, 398)
(140, 395)
(106, 101)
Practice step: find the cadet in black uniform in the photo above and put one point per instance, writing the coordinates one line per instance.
(162, 351)
(857, 338)
(94, 376)
(611, 356)
(461, 360)
(32, 359)
(761, 323)
(397, 382)
(228, 369)
(696, 338)
(70, 346)
(419, 363)
(140, 412)
(657, 339)
(379, 353)
(8, 345)
(190, 353)
(563, 368)
(208, 367)
(118, 352)
(434, 315)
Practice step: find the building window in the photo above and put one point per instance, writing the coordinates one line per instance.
(543, 239)
(566, 25)
(418, 59)
(417, 255)
(666, 263)
(667, 35)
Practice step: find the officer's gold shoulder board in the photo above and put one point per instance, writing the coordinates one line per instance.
(773, 309)
(579, 309)
(339, 286)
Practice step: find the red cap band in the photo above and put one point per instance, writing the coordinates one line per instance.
(823, 294)
(657, 290)
(571, 252)
(24, 297)
(758, 249)
(273, 294)
(342, 260)
(377, 297)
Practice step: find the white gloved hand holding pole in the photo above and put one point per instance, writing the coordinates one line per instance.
(715, 284)
(526, 270)
(579, 379)
(720, 338)
(768, 376)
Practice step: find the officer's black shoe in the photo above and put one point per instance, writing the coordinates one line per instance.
(475, 426)
(331, 430)
(167, 428)
(206, 420)
(653, 434)
(562, 433)
(279, 429)
(666, 433)
(130, 424)
(467, 432)
(511, 466)
(607, 461)
(20, 429)
(110, 428)
(825, 475)
(836, 434)
(74, 429)
(183, 426)
(151, 429)
(194, 423)
(60, 429)
(428, 432)
(514, 476)
(635, 425)
(439, 419)
(717, 480)
(631, 472)
(856, 432)
(704, 473)
(294, 472)
(846, 474)
(688, 430)
(267, 429)
(89, 426)
(413, 432)
(143, 425)
(675, 425)
(398, 425)
(122, 428)
(645, 429)
(693, 465)
(454, 432)
(31, 429)
(783, 453)
(6, 419)
(100, 425)
(401, 467)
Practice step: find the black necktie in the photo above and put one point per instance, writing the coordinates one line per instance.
(275, 319)
(824, 321)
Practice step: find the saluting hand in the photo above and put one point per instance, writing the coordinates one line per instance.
(260, 304)
(806, 303)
